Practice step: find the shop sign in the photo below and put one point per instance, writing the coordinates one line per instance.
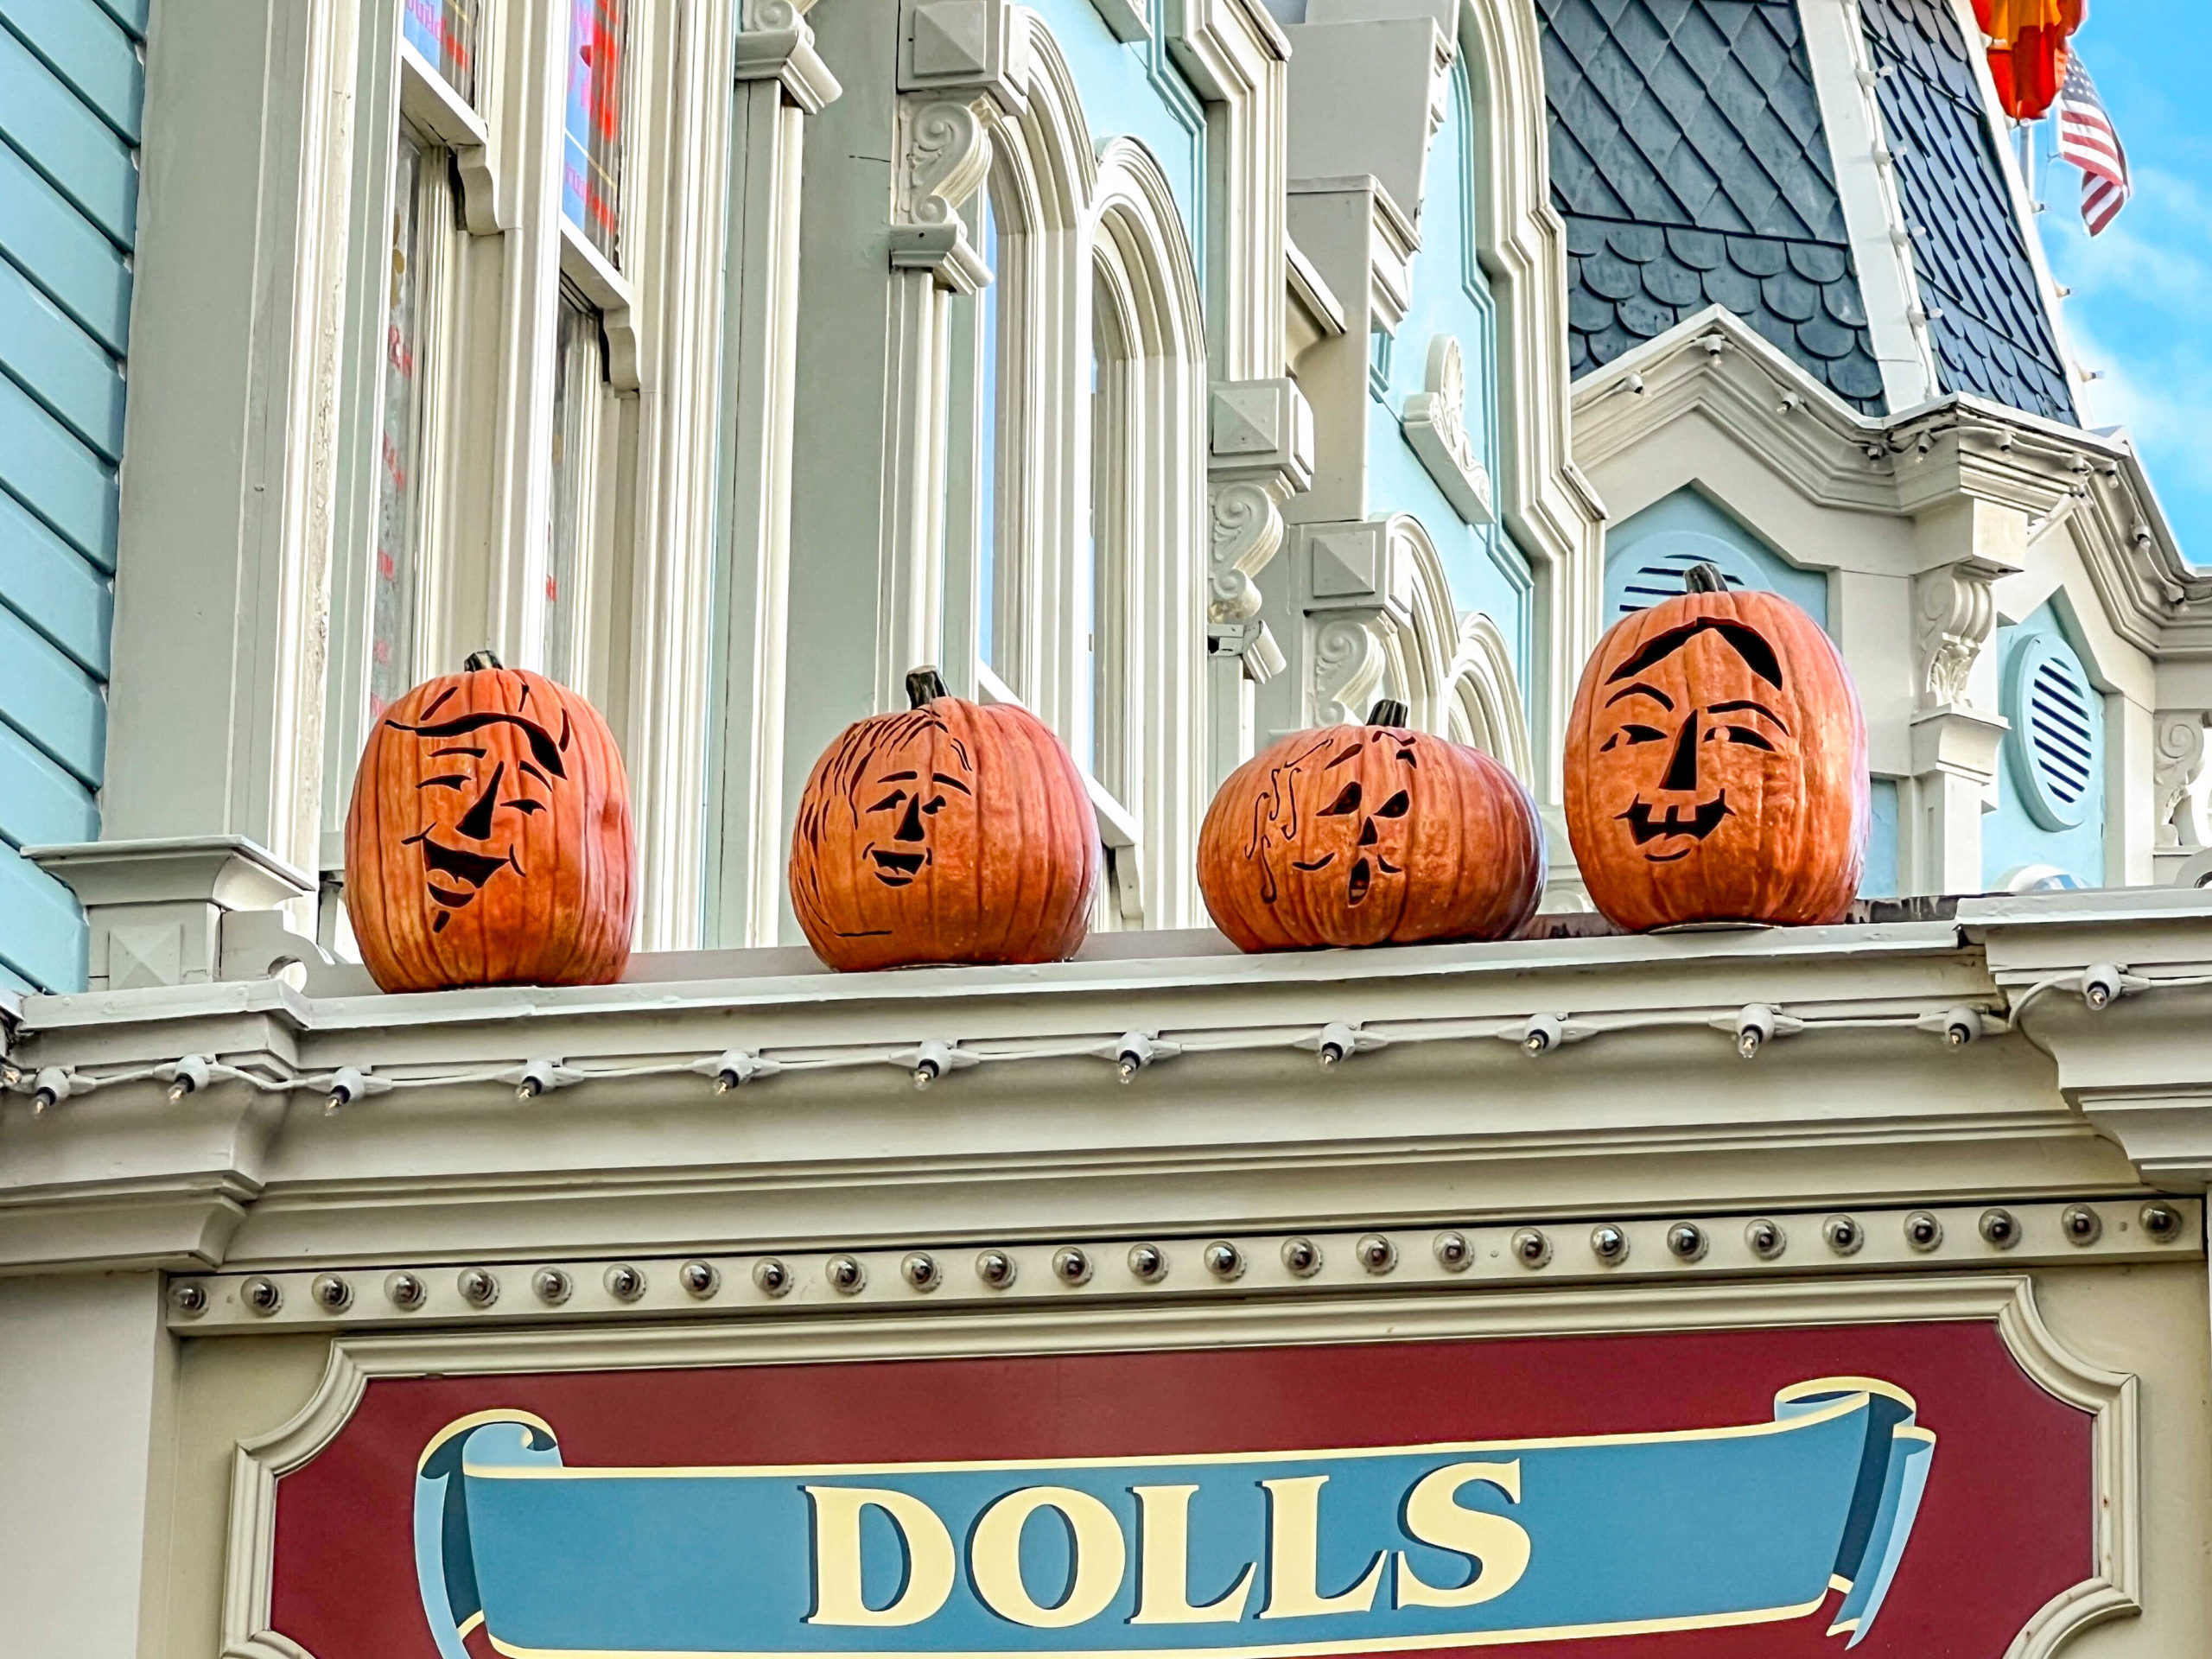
(1608, 1493)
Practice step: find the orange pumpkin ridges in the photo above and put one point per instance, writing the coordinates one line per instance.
(489, 841)
(1369, 835)
(948, 832)
(1716, 765)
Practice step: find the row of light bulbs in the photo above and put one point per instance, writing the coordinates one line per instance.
(1751, 1027)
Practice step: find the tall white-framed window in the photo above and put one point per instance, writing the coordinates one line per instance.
(1083, 364)
(528, 182)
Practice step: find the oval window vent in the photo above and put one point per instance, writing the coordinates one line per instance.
(2054, 725)
(1661, 577)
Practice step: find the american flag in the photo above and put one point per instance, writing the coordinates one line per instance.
(2085, 138)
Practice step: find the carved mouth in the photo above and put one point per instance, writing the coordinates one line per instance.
(895, 870)
(1700, 821)
(471, 870)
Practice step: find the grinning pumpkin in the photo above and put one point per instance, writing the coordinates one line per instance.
(1716, 765)
(489, 841)
(1369, 835)
(950, 831)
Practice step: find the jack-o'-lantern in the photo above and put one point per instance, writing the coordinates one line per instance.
(948, 832)
(489, 841)
(1369, 835)
(1716, 765)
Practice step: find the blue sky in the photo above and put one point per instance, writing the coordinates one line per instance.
(2142, 305)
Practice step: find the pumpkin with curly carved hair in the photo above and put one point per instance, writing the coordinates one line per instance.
(1370, 835)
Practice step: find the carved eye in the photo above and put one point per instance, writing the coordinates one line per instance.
(1347, 801)
(1395, 807)
(1634, 734)
(1740, 735)
(526, 805)
(449, 780)
(893, 800)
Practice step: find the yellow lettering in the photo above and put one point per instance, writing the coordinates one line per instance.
(929, 1562)
(1497, 1545)
(1164, 1563)
(1100, 1557)
(1294, 1551)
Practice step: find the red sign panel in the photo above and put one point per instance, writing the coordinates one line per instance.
(377, 1541)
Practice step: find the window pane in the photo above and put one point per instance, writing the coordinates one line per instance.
(576, 386)
(392, 628)
(444, 32)
(591, 178)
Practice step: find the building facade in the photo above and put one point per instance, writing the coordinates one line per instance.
(1191, 372)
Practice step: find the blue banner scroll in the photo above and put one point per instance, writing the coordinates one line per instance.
(1396, 1550)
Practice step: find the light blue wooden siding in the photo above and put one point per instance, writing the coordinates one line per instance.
(1450, 294)
(72, 90)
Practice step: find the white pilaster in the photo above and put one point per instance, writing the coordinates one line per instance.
(84, 1384)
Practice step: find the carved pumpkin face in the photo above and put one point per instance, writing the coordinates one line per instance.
(1369, 835)
(1716, 766)
(489, 841)
(947, 832)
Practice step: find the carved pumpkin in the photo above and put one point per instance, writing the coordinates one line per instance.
(489, 841)
(1369, 835)
(951, 831)
(1716, 765)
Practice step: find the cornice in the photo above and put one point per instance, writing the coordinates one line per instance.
(1713, 364)
(1637, 1101)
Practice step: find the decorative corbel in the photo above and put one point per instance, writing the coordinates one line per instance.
(1350, 656)
(1955, 614)
(958, 61)
(1342, 572)
(1260, 453)
(2179, 762)
(944, 153)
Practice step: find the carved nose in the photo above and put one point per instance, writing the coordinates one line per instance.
(1682, 770)
(910, 827)
(476, 824)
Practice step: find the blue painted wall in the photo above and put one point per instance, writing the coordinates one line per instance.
(1646, 555)
(1644, 559)
(1450, 294)
(72, 86)
(2011, 838)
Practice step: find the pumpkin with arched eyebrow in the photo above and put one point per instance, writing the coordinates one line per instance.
(489, 841)
(1369, 835)
(1716, 765)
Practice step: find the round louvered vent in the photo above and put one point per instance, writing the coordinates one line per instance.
(1659, 576)
(2054, 739)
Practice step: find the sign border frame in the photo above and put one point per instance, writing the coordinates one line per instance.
(2112, 1591)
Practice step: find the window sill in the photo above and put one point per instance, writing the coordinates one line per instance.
(595, 277)
(430, 104)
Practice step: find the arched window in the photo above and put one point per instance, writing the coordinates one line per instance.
(1076, 552)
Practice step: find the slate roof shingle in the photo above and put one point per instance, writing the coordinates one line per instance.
(1690, 164)
(1986, 315)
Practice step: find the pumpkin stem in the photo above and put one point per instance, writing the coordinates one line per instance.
(1704, 579)
(1388, 711)
(477, 661)
(924, 685)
